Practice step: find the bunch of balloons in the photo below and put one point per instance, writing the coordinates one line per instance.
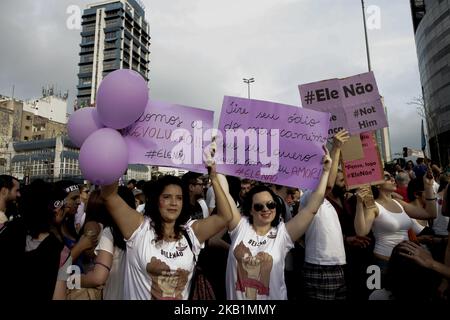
(121, 99)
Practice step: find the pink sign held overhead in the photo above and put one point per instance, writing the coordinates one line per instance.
(366, 171)
(271, 142)
(170, 135)
(354, 102)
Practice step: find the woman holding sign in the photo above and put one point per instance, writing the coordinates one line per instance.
(260, 241)
(390, 219)
(160, 258)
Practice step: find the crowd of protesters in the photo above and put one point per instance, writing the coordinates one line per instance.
(253, 240)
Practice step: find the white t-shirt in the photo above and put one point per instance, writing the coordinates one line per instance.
(141, 208)
(324, 243)
(204, 207)
(113, 289)
(210, 198)
(255, 267)
(161, 270)
(435, 187)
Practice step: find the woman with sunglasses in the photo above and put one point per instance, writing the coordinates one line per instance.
(390, 219)
(260, 241)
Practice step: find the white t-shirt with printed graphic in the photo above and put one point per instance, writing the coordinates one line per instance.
(255, 267)
(159, 270)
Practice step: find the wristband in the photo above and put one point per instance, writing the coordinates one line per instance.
(431, 199)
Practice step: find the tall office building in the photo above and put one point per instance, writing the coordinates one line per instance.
(431, 21)
(115, 35)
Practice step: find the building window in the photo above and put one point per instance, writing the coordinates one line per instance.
(85, 81)
(110, 65)
(87, 49)
(110, 35)
(89, 27)
(85, 69)
(110, 55)
(88, 58)
(88, 39)
(84, 92)
(110, 45)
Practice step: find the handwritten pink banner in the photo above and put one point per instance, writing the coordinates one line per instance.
(151, 139)
(274, 136)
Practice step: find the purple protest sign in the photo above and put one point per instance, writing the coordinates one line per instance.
(354, 102)
(365, 115)
(170, 135)
(276, 143)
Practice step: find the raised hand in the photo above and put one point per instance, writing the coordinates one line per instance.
(340, 138)
(415, 252)
(326, 160)
(362, 193)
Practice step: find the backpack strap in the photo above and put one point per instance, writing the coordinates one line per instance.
(188, 239)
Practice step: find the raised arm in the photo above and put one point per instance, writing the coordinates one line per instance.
(298, 225)
(338, 140)
(98, 276)
(430, 210)
(206, 228)
(364, 216)
(126, 218)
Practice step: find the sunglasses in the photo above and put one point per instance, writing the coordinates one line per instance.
(388, 177)
(260, 206)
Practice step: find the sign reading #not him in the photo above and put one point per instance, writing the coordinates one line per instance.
(354, 103)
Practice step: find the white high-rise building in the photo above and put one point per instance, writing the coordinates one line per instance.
(114, 36)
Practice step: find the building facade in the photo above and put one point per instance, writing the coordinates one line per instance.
(431, 21)
(115, 35)
(42, 118)
(49, 159)
(53, 160)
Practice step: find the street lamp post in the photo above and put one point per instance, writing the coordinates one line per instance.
(248, 81)
(365, 34)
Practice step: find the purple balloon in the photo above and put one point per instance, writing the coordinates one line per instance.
(104, 157)
(121, 98)
(82, 123)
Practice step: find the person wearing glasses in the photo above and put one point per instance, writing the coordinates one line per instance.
(260, 241)
(193, 182)
(391, 219)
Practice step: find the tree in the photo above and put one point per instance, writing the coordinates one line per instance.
(424, 113)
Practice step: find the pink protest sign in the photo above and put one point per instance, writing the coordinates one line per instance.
(366, 171)
(170, 135)
(271, 142)
(354, 102)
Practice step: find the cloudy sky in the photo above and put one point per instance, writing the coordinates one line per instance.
(201, 50)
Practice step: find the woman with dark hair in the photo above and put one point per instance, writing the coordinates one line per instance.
(109, 268)
(390, 219)
(43, 211)
(260, 241)
(160, 260)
